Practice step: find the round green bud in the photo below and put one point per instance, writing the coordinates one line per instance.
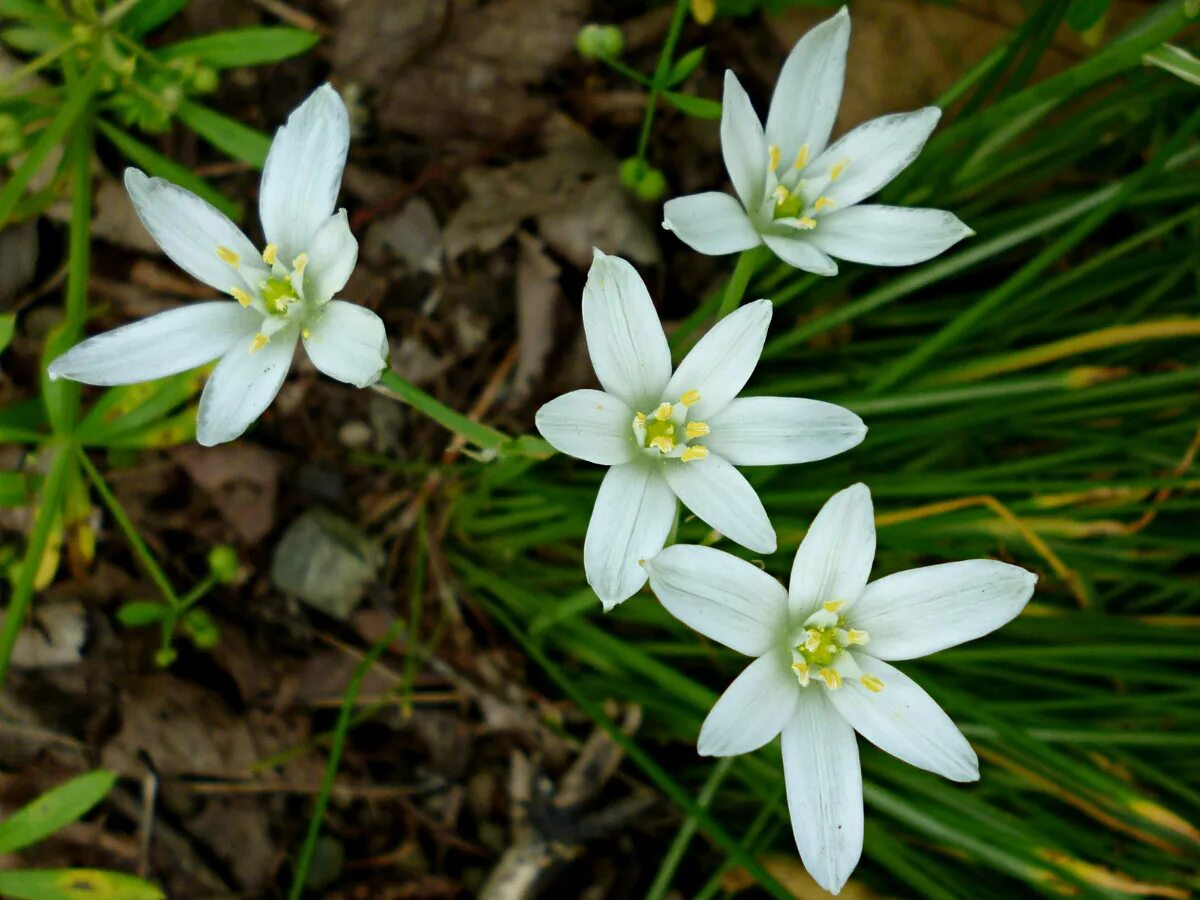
(646, 182)
(201, 628)
(204, 79)
(165, 656)
(223, 563)
(599, 41)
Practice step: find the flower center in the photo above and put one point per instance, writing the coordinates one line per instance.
(792, 190)
(279, 296)
(666, 432)
(821, 650)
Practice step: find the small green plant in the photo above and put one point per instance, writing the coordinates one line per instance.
(44, 816)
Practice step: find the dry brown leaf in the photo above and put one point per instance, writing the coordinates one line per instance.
(537, 294)
(242, 480)
(790, 872)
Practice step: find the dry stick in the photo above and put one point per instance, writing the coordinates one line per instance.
(1164, 493)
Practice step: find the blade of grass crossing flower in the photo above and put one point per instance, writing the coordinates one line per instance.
(475, 432)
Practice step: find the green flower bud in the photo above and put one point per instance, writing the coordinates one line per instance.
(223, 563)
(201, 628)
(646, 182)
(165, 656)
(599, 41)
(204, 79)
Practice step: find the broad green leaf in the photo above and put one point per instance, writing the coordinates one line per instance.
(226, 134)
(685, 66)
(696, 107)
(150, 14)
(75, 884)
(23, 422)
(53, 810)
(243, 46)
(26, 9)
(124, 410)
(136, 613)
(1175, 60)
(154, 163)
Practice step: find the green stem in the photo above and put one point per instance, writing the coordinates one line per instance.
(632, 74)
(140, 550)
(739, 281)
(335, 758)
(475, 432)
(666, 871)
(660, 74)
(53, 490)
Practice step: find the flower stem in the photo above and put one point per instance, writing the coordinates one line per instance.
(660, 74)
(738, 281)
(477, 433)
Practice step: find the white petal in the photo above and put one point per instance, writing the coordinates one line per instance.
(874, 153)
(809, 89)
(888, 235)
(724, 598)
(834, 559)
(242, 385)
(722, 361)
(753, 709)
(189, 231)
(303, 173)
(163, 344)
(769, 431)
(743, 144)
(634, 512)
(624, 336)
(924, 610)
(903, 720)
(348, 342)
(711, 223)
(331, 258)
(721, 496)
(590, 425)
(797, 250)
(824, 789)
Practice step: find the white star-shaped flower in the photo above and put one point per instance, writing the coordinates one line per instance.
(821, 670)
(676, 435)
(283, 294)
(802, 198)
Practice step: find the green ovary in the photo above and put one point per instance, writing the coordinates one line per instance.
(277, 293)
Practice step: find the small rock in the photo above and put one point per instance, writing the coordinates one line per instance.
(355, 434)
(326, 562)
(54, 638)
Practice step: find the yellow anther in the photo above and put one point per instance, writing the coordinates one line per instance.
(832, 606)
(662, 443)
(855, 636)
(872, 684)
(305, 333)
(781, 194)
(823, 202)
(690, 398)
(814, 640)
(228, 256)
(696, 429)
(693, 453)
(808, 223)
(773, 150)
(269, 254)
(639, 418)
(281, 304)
(801, 157)
(837, 170)
(801, 670)
(241, 296)
(832, 679)
(260, 341)
(300, 263)
(664, 412)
